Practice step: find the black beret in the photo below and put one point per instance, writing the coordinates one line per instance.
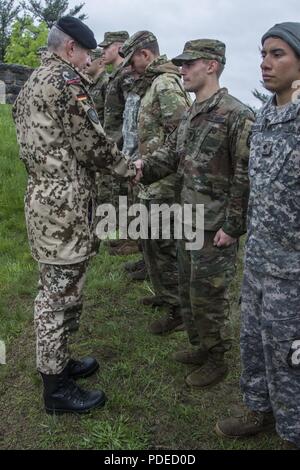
(78, 31)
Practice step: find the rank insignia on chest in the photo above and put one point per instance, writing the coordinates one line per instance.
(266, 148)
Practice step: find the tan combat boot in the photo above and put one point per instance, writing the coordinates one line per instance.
(169, 323)
(212, 372)
(197, 357)
(245, 422)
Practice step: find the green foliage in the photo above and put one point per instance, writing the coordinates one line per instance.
(262, 97)
(8, 13)
(149, 406)
(51, 10)
(25, 41)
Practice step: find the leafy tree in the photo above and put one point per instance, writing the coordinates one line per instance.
(8, 13)
(50, 11)
(25, 41)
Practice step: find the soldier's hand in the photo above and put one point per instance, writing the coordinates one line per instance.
(223, 240)
(139, 165)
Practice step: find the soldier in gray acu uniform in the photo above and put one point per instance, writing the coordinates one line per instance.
(270, 333)
(62, 145)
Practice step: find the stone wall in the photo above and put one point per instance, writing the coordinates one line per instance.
(14, 77)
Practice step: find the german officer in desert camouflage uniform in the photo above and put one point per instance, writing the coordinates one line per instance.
(62, 145)
(210, 153)
(270, 332)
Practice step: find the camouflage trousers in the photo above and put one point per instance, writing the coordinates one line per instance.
(57, 311)
(161, 261)
(109, 188)
(270, 349)
(204, 279)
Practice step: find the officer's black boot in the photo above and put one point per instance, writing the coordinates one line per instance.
(62, 395)
(82, 368)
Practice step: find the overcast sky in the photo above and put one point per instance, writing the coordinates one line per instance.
(240, 24)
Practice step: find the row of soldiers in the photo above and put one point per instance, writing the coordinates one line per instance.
(193, 153)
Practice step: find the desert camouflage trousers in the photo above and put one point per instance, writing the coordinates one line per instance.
(57, 311)
(270, 349)
(161, 260)
(204, 279)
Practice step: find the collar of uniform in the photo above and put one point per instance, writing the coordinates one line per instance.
(116, 71)
(208, 105)
(157, 62)
(270, 112)
(51, 56)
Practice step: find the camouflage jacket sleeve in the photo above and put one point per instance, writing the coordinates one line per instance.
(81, 124)
(173, 102)
(98, 92)
(239, 137)
(162, 162)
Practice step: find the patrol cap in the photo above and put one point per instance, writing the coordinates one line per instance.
(113, 36)
(210, 49)
(78, 31)
(288, 32)
(137, 41)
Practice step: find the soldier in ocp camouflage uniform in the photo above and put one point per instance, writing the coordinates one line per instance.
(117, 85)
(62, 145)
(209, 151)
(163, 101)
(270, 332)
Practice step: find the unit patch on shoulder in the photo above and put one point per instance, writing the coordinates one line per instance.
(93, 116)
(71, 78)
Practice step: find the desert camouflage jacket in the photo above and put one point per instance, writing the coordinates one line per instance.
(273, 245)
(118, 86)
(210, 151)
(163, 102)
(62, 145)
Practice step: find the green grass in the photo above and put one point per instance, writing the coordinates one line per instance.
(148, 405)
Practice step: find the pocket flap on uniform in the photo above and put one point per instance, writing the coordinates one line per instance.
(286, 336)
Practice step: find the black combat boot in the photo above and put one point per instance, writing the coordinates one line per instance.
(62, 395)
(82, 368)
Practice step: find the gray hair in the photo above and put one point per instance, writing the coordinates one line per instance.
(56, 39)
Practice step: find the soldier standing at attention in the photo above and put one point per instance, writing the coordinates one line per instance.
(163, 101)
(210, 152)
(62, 145)
(270, 331)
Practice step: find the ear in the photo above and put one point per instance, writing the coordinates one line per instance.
(145, 53)
(70, 47)
(212, 67)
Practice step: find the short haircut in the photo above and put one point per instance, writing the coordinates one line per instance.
(152, 47)
(56, 39)
(220, 68)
